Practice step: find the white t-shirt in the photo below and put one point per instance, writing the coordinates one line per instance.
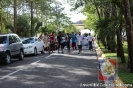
(79, 37)
(84, 42)
(89, 38)
(63, 39)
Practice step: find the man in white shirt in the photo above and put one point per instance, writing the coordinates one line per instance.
(79, 42)
(90, 39)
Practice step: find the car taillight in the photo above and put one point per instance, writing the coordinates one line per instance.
(1, 48)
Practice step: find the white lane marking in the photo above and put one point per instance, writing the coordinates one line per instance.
(36, 62)
(9, 74)
(48, 56)
(21, 69)
(15, 71)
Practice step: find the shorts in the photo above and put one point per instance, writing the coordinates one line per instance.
(60, 44)
(68, 45)
(80, 46)
(51, 45)
(73, 44)
(46, 44)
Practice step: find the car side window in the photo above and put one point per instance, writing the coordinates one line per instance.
(35, 39)
(11, 39)
(39, 39)
(17, 38)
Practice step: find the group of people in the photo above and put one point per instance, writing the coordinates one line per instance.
(77, 41)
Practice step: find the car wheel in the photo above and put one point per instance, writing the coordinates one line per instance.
(21, 55)
(42, 50)
(35, 51)
(7, 59)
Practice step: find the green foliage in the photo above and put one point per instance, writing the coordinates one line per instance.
(45, 15)
(23, 27)
(105, 29)
(90, 21)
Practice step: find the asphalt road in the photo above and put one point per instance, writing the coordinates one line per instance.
(52, 71)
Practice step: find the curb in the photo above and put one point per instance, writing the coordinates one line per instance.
(100, 55)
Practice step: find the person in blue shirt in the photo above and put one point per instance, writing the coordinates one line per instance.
(74, 38)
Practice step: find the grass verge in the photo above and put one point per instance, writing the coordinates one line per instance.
(123, 72)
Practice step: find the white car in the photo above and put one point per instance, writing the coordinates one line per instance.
(33, 45)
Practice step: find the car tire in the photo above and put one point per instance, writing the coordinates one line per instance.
(42, 52)
(7, 59)
(21, 55)
(35, 51)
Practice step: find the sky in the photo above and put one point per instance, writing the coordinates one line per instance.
(75, 15)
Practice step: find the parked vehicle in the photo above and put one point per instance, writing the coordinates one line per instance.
(10, 46)
(33, 45)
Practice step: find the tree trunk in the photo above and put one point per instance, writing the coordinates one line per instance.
(129, 30)
(120, 52)
(101, 9)
(31, 18)
(118, 42)
(15, 16)
(108, 43)
(1, 31)
(97, 10)
(119, 45)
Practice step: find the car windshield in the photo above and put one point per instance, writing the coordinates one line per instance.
(3, 39)
(28, 41)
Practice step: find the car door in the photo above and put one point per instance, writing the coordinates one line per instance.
(18, 44)
(12, 47)
(37, 44)
(40, 42)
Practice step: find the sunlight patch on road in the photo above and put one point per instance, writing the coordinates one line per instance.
(76, 56)
(78, 71)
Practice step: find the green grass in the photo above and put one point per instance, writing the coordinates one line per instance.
(123, 72)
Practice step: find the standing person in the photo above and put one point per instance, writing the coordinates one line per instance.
(79, 40)
(45, 40)
(59, 38)
(52, 38)
(62, 41)
(73, 41)
(90, 39)
(68, 43)
(40, 36)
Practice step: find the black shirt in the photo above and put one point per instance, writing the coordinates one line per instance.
(59, 38)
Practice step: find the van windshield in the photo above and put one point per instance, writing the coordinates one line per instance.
(3, 39)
